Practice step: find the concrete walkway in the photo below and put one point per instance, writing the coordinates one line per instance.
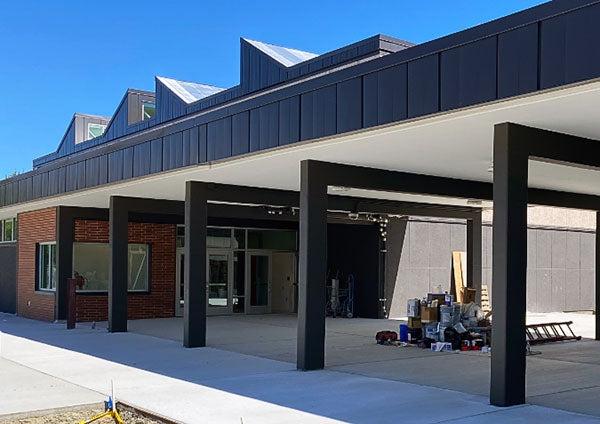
(25, 389)
(212, 385)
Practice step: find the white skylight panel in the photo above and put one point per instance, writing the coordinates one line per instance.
(189, 92)
(285, 56)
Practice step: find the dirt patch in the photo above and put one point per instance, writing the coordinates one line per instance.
(78, 414)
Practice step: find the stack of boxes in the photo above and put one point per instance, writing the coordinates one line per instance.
(415, 326)
(437, 322)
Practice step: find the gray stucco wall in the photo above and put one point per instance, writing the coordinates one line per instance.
(560, 264)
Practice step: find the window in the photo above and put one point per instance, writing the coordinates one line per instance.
(47, 266)
(138, 267)
(218, 237)
(148, 110)
(95, 130)
(8, 230)
(92, 261)
(272, 239)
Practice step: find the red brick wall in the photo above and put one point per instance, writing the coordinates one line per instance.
(34, 227)
(160, 301)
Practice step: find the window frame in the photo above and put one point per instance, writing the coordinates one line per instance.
(148, 267)
(97, 292)
(40, 268)
(95, 124)
(143, 106)
(14, 232)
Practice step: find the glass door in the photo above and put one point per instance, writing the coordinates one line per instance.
(219, 279)
(258, 283)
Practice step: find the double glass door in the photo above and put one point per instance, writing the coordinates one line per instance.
(236, 282)
(258, 283)
(219, 282)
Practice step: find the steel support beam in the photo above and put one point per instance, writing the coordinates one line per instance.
(509, 268)
(195, 272)
(514, 146)
(312, 268)
(65, 236)
(117, 282)
(474, 253)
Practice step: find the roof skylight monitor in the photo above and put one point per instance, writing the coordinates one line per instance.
(284, 55)
(189, 92)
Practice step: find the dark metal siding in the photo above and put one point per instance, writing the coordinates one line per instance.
(169, 105)
(423, 86)
(318, 113)
(518, 61)
(219, 139)
(569, 48)
(264, 127)
(141, 159)
(385, 96)
(349, 105)
(257, 70)
(289, 120)
(173, 151)
(240, 133)
(468, 74)
(190, 146)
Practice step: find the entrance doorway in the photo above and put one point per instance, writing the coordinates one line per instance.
(258, 283)
(284, 285)
(251, 275)
(219, 282)
(219, 286)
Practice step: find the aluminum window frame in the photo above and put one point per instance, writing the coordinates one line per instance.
(148, 266)
(94, 124)
(13, 238)
(143, 105)
(40, 268)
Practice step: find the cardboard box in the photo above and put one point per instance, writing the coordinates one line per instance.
(441, 347)
(429, 314)
(412, 308)
(440, 297)
(468, 295)
(414, 322)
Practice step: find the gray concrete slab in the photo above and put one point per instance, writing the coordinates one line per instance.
(465, 373)
(585, 351)
(25, 390)
(583, 401)
(551, 376)
(214, 385)
(350, 348)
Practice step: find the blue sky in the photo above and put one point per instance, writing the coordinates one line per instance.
(60, 57)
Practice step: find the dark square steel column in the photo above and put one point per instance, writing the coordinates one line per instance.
(509, 268)
(597, 267)
(195, 272)
(312, 268)
(65, 234)
(117, 284)
(474, 254)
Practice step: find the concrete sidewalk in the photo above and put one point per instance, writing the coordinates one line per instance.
(25, 389)
(198, 385)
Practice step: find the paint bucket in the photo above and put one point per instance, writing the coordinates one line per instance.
(403, 333)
